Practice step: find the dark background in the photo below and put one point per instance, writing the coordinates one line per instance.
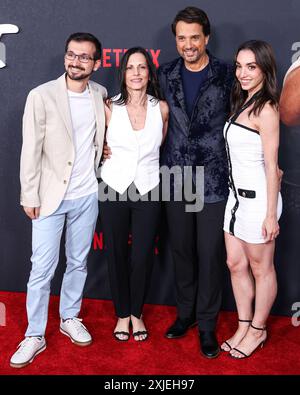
(35, 55)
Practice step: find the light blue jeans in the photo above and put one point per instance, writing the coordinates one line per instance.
(80, 216)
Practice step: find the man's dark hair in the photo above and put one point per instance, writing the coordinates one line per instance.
(192, 15)
(79, 37)
(265, 60)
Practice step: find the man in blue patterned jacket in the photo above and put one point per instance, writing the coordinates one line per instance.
(197, 88)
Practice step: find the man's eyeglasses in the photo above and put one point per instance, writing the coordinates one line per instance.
(83, 58)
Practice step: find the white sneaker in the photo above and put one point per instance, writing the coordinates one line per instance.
(76, 331)
(27, 350)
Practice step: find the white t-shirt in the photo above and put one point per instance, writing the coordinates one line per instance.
(83, 180)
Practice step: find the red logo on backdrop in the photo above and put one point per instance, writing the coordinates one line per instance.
(111, 56)
(98, 242)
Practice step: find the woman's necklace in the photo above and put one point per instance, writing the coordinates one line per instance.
(136, 110)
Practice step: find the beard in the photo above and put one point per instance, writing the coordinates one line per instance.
(77, 77)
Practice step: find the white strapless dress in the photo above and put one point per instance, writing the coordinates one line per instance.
(247, 202)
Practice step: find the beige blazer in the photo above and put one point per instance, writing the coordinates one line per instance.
(48, 151)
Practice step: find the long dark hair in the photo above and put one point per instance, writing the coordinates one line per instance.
(265, 60)
(153, 88)
(192, 15)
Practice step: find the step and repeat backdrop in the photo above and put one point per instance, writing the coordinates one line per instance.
(32, 39)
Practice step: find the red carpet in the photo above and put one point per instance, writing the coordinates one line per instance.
(157, 356)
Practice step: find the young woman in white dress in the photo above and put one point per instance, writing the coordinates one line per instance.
(254, 204)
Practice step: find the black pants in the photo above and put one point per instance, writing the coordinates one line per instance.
(197, 244)
(129, 276)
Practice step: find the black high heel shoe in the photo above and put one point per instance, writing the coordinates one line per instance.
(143, 333)
(140, 333)
(226, 341)
(125, 339)
(117, 334)
(261, 344)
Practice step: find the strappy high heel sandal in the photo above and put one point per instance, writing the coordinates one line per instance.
(261, 344)
(136, 335)
(226, 341)
(125, 335)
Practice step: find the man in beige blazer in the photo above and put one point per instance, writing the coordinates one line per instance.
(63, 131)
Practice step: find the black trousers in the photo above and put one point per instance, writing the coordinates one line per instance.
(198, 251)
(129, 275)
